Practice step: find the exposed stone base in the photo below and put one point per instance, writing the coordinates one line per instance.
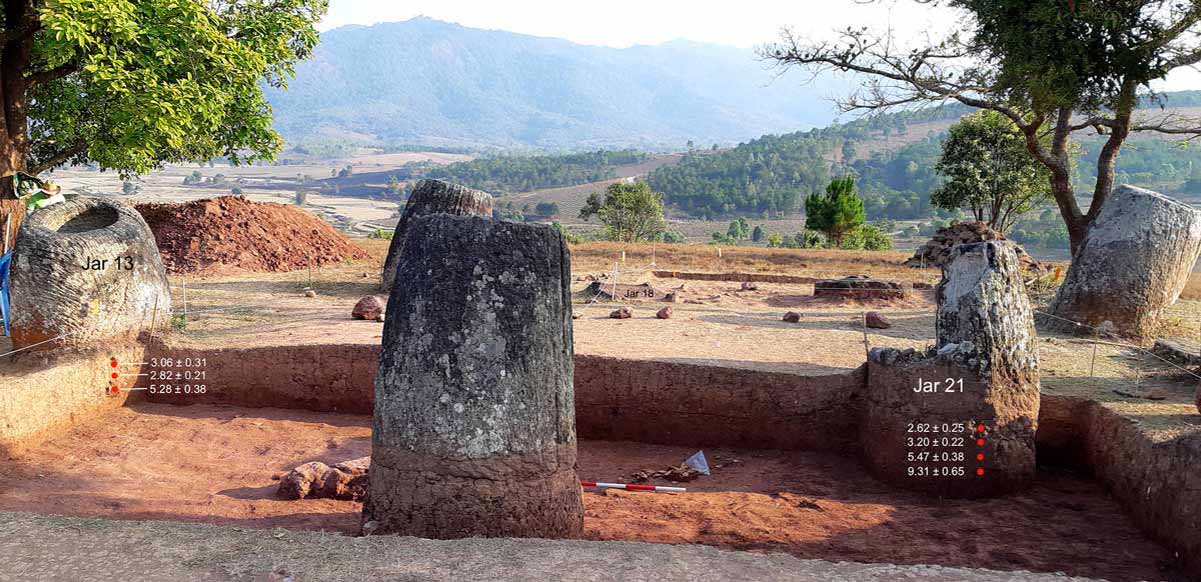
(529, 496)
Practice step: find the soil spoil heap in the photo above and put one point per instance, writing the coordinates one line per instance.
(231, 234)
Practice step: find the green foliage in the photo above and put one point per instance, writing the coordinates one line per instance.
(509, 174)
(381, 234)
(837, 212)
(163, 81)
(194, 178)
(236, 190)
(990, 171)
(301, 197)
(671, 236)
(571, 238)
(775, 240)
(867, 237)
(505, 210)
(546, 209)
(630, 212)
(810, 239)
(739, 230)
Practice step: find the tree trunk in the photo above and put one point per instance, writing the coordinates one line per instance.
(19, 15)
(1133, 264)
(474, 424)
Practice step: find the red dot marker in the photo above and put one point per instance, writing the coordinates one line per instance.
(980, 428)
(980, 472)
(980, 457)
(114, 375)
(113, 389)
(979, 442)
(113, 363)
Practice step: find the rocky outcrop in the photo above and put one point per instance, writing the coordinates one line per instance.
(432, 197)
(84, 272)
(936, 252)
(959, 420)
(474, 423)
(1133, 263)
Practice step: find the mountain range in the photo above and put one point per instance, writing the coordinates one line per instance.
(423, 82)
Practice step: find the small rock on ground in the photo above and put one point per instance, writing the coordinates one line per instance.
(664, 313)
(621, 313)
(876, 320)
(792, 317)
(370, 307)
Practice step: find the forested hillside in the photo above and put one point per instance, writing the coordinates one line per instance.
(509, 174)
(770, 176)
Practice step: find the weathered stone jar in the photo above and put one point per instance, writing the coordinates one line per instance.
(85, 272)
(474, 424)
(432, 197)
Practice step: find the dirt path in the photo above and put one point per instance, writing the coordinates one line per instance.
(215, 465)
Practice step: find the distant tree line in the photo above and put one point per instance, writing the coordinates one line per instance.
(510, 174)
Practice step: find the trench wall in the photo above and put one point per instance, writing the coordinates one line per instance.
(644, 401)
(39, 396)
(1157, 481)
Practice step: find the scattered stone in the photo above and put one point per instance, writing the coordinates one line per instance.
(1132, 265)
(473, 433)
(380, 318)
(1151, 394)
(664, 313)
(749, 286)
(346, 481)
(671, 297)
(876, 320)
(923, 286)
(792, 317)
(599, 291)
(677, 474)
(858, 288)
(621, 313)
(936, 253)
(310, 293)
(369, 307)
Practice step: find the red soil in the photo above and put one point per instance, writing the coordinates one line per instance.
(215, 464)
(232, 234)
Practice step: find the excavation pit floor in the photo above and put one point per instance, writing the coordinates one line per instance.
(215, 464)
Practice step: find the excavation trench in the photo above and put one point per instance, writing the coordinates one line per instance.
(787, 445)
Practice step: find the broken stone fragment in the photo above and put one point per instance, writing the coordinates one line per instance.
(621, 313)
(792, 317)
(345, 481)
(370, 307)
(664, 313)
(749, 286)
(876, 320)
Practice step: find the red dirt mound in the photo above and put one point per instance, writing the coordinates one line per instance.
(231, 234)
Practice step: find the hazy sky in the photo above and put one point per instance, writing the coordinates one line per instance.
(622, 23)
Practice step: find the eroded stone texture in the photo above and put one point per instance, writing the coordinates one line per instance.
(86, 271)
(432, 197)
(474, 425)
(923, 409)
(1134, 262)
(346, 480)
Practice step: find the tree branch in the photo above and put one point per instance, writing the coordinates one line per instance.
(60, 158)
(42, 77)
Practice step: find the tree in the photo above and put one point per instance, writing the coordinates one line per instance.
(1052, 67)
(737, 230)
(630, 212)
(837, 212)
(130, 86)
(989, 171)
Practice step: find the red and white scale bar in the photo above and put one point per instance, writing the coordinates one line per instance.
(629, 487)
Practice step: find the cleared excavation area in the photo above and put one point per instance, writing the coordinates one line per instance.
(775, 406)
(215, 464)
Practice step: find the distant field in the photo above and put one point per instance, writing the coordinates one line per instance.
(571, 198)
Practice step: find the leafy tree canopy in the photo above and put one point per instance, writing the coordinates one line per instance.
(630, 212)
(837, 212)
(989, 171)
(130, 85)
